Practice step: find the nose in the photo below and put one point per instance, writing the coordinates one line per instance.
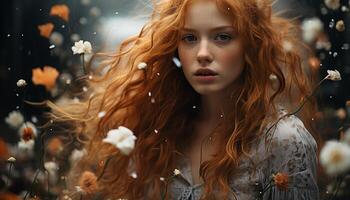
(204, 55)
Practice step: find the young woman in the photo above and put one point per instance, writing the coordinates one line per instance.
(217, 118)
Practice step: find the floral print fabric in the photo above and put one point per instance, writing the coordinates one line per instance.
(291, 149)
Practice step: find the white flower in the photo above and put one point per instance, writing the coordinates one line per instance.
(52, 168)
(142, 65)
(11, 159)
(340, 26)
(335, 157)
(176, 172)
(287, 46)
(122, 138)
(28, 131)
(76, 155)
(311, 28)
(14, 119)
(333, 75)
(26, 145)
(21, 83)
(332, 4)
(82, 47)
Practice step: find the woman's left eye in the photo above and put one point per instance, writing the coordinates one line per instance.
(223, 37)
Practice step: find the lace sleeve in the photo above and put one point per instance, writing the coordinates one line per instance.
(293, 154)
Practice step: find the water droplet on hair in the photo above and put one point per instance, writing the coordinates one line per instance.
(153, 100)
(17, 94)
(63, 26)
(149, 94)
(17, 107)
(335, 54)
(116, 13)
(155, 130)
(8, 35)
(52, 46)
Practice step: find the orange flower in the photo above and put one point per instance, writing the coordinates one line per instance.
(46, 77)
(60, 10)
(28, 134)
(281, 180)
(9, 196)
(88, 182)
(46, 29)
(54, 146)
(4, 152)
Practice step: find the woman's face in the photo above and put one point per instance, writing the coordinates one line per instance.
(210, 52)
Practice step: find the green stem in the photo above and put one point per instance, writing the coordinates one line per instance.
(340, 180)
(105, 167)
(8, 180)
(31, 186)
(83, 61)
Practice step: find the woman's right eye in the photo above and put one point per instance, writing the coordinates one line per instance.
(189, 38)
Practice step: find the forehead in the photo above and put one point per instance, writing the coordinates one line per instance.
(205, 14)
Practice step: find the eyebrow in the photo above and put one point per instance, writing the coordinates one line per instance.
(213, 29)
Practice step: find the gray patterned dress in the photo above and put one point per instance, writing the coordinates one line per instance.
(292, 151)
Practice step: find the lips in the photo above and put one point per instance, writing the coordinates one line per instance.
(205, 72)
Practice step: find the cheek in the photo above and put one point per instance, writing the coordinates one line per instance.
(232, 56)
(186, 58)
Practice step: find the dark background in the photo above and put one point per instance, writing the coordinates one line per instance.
(22, 48)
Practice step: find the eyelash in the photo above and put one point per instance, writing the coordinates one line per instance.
(226, 36)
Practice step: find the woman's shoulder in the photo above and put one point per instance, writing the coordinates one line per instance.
(289, 131)
(286, 136)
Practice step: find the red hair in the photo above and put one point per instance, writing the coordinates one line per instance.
(123, 93)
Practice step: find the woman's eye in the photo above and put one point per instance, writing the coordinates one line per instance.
(189, 38)
(223, 37)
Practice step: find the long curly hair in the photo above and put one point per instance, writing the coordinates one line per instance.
(156, 103)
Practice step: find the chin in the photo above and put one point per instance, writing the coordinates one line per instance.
(206, 90)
